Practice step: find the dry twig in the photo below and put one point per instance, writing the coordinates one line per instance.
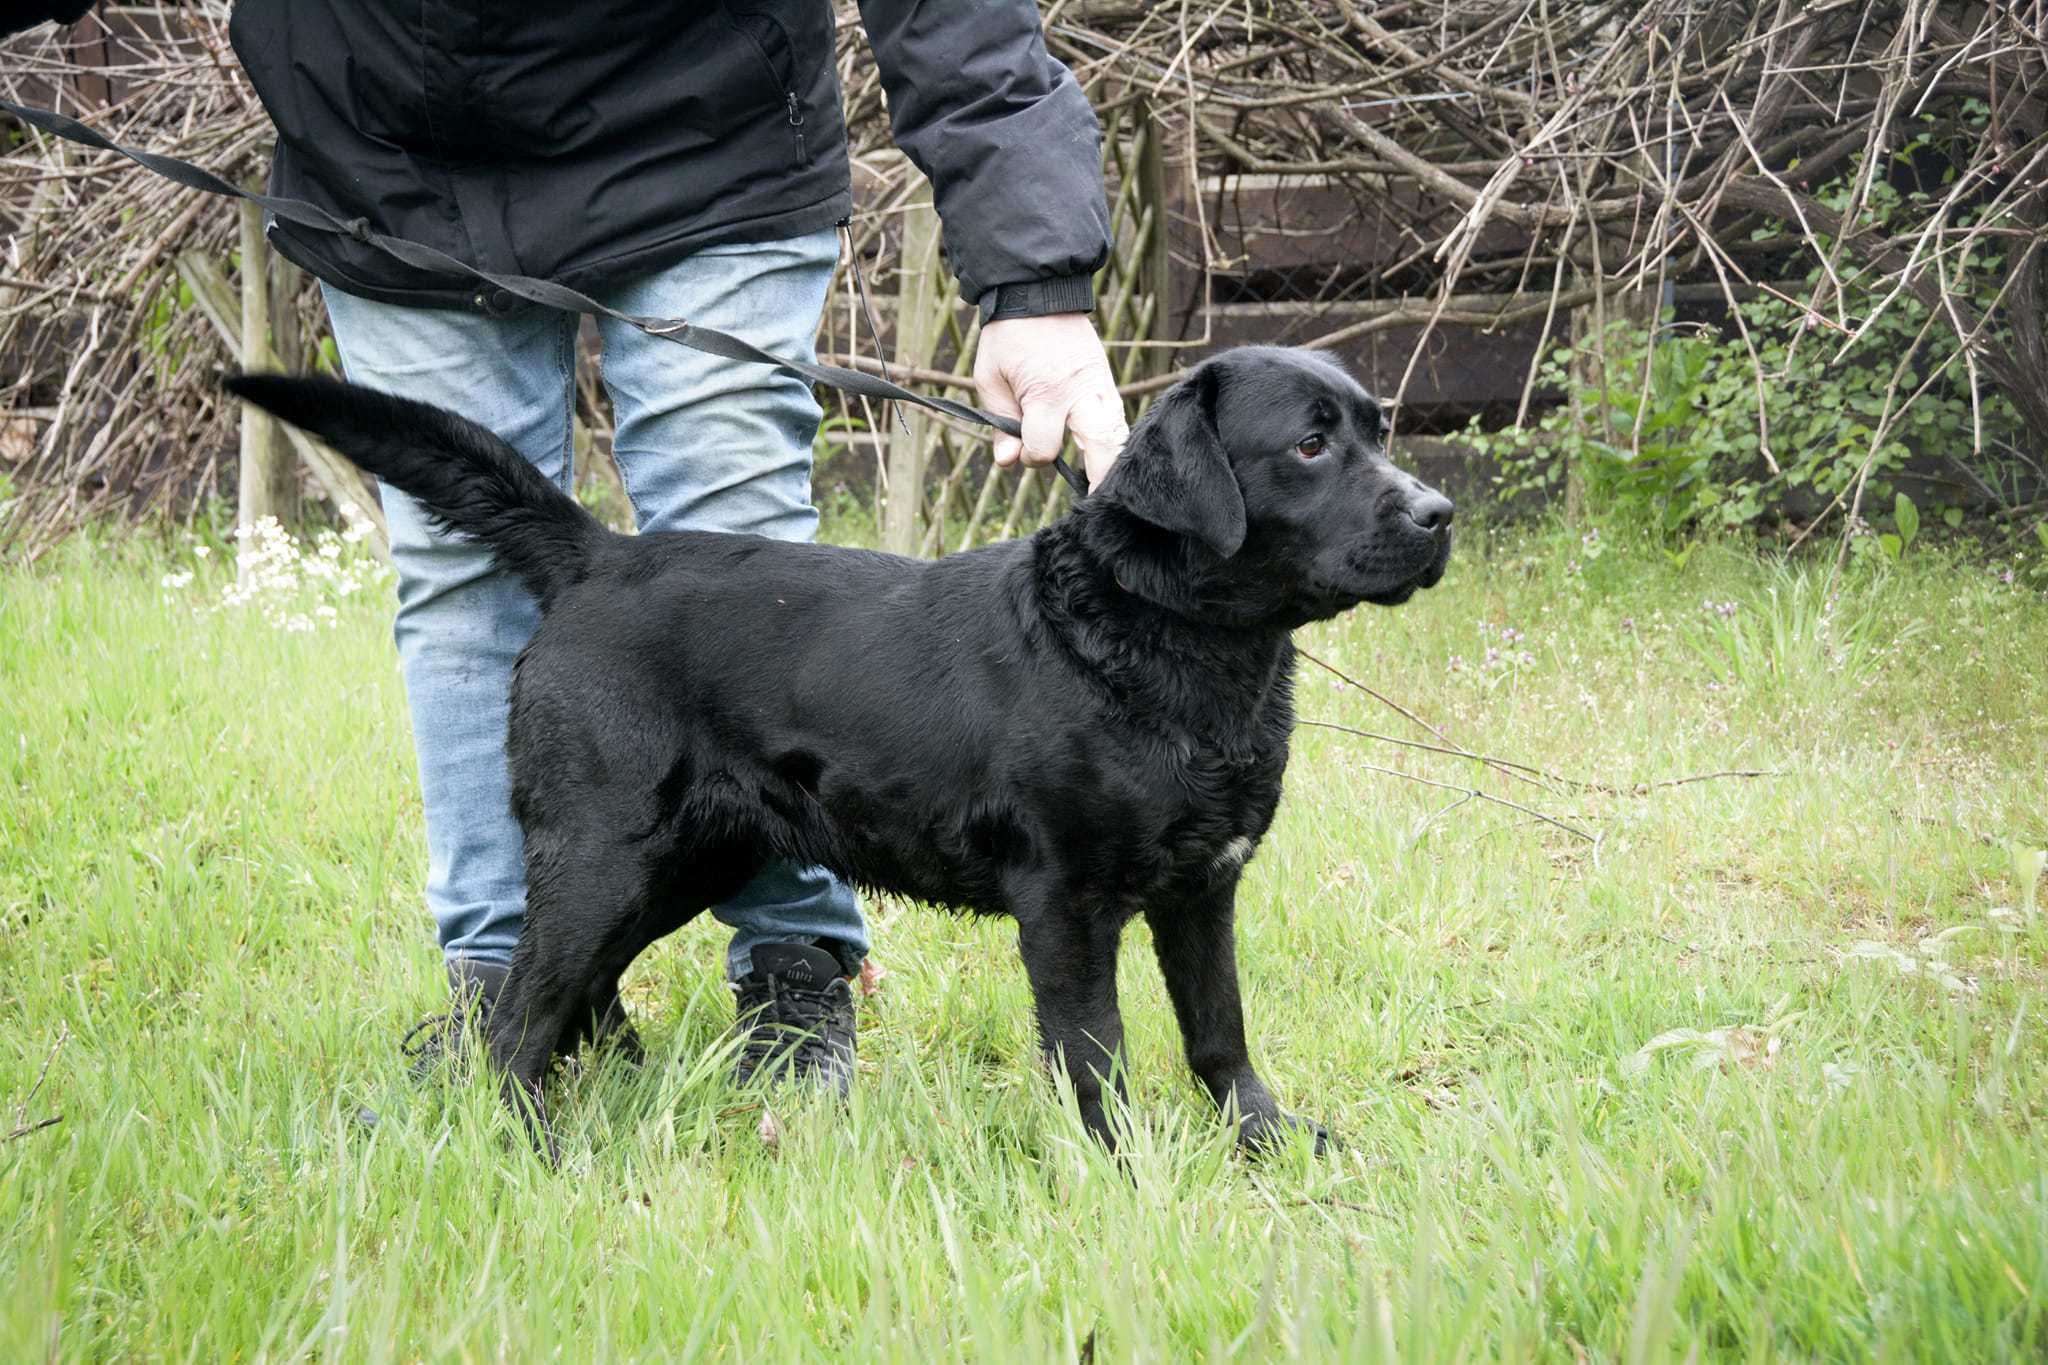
(23, 1124)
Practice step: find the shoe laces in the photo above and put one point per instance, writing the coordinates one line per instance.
(437, 1027)
(441, 1029)
(784, 1016)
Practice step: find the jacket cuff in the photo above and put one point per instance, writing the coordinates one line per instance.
(1038, 298)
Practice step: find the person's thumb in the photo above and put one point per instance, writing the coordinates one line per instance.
(1100, 431)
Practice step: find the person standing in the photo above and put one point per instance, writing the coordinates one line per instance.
(674, 159)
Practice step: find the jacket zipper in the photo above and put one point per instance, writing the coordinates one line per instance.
(796, 121)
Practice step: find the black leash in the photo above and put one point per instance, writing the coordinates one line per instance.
(545, 292)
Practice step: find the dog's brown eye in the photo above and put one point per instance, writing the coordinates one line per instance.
(1309, 447)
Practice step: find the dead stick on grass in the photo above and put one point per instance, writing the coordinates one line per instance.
(1521, 772)
(1512, 768)
(1642, 787)
(1525, 772)
(1486, 796)
(22, 1126)
(1604, 788)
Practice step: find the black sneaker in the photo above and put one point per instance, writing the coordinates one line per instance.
(439, 1039)
(435, 1041)
(796, 1017)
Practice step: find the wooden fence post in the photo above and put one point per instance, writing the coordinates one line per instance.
(268, 484)
(336, 477)
(921, 313)
(1157, 274)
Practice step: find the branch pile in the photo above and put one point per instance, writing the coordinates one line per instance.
(105, 361)
(1556, 155)
(1529, 158)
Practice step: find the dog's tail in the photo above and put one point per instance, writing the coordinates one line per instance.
(468, 480)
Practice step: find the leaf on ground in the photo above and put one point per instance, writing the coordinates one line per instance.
(1736, 1045)
(2027, 864)
(1925, 961)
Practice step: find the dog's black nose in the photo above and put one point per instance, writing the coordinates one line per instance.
(1430, 510)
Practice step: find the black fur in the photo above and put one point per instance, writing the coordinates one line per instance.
(468, 480)
(1070, 730)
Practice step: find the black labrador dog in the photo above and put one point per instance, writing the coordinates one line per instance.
(1071, 730)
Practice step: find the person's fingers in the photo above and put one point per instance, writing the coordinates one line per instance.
(1045, 428)
(993, 387)
(1097, 422)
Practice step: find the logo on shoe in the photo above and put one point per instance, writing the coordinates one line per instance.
(801, 965)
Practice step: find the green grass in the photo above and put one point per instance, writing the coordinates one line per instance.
(210, 848)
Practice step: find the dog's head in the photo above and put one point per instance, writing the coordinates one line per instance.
(1263, 492)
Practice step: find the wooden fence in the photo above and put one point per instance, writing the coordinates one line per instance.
(259, 325)
(940, 489)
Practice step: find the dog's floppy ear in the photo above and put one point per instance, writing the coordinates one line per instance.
(1174, 472)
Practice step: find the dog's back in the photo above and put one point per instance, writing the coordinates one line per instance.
(880, 716)
(914, 725)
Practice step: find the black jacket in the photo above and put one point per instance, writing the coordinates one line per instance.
(589, 142)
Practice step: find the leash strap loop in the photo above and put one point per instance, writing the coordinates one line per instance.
(547, 293)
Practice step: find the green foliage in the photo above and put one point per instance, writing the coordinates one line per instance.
(162, 349)
(1804, 634)
(1906, 517)
(1679, 428)
(834, 439)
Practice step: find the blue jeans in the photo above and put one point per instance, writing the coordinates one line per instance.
(702, 444)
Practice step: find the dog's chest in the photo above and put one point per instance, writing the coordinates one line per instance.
(1232, 856)
(1227, 804)
(1210, 851)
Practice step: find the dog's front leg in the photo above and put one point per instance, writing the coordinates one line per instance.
(1196, 943)
(1070, 957)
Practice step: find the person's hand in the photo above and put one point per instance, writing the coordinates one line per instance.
(1051, 373)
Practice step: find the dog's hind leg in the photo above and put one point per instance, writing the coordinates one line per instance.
(586, 898)
(1070, 956)
(605, 1023)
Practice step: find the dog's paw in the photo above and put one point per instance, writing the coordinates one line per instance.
(1258, 1134)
